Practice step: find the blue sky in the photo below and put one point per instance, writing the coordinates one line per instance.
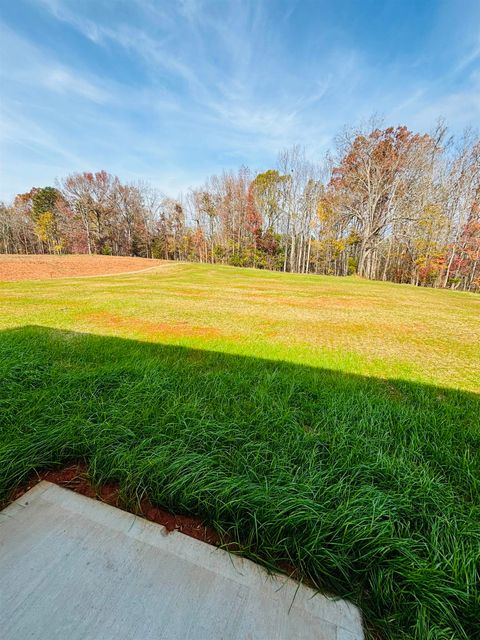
(173, 91)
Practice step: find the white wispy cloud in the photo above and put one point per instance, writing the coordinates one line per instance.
(26, 64)
(175, 91)
(221, 89)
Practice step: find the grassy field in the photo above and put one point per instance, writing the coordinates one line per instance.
(329, 423)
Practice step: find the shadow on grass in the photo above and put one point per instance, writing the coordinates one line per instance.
(369, 487)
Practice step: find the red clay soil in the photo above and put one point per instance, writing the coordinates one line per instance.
(74, 477)
(45, 267)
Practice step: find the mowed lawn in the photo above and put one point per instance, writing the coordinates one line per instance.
(325, 423)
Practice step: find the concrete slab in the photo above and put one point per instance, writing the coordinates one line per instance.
(72, 567)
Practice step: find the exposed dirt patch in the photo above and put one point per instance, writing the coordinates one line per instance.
(29, 267)
(149, 327)
(74, 477)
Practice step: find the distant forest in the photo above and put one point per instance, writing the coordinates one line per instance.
(386, 204)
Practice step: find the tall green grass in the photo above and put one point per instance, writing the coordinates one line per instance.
(370, 487)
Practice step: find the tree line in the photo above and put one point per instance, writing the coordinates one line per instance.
(387, 204)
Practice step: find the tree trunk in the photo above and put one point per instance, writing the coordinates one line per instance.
(307, 264)
(447, 274)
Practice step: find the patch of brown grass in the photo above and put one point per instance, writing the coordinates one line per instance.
(150, 328)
